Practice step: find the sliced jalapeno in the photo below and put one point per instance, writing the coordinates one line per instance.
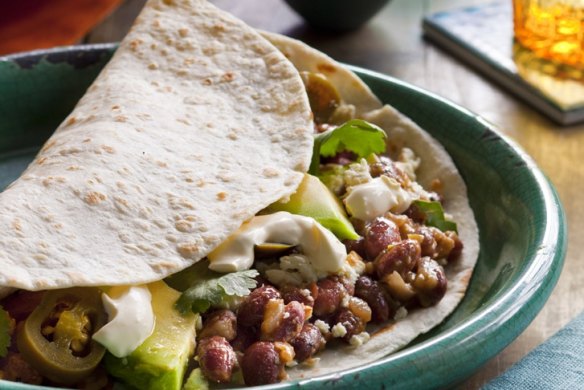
(322, 96)
(56, 338)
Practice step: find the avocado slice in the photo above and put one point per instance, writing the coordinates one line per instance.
(161, 360)
(196, 381)
(313, 199)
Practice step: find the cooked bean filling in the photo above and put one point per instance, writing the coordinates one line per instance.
(403, 269)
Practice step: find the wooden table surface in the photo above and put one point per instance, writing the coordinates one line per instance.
(392, 43)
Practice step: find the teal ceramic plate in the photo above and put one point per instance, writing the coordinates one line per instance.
(521, 222)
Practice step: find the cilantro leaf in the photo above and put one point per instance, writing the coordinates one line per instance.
(238, 283)
(434, 215)
(356, 135)
(209, 288)
(4, 332)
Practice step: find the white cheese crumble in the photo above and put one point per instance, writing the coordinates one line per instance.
(354, 267)
(357, 173)
(322, 326)
(359, 339)
(305, 292)
(339, 330)
(345, 301)
(295, 269)
(400, 314)
(408, 162)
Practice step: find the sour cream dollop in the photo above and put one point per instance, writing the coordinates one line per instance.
(374, 198)
(323, 249)
(131, 319)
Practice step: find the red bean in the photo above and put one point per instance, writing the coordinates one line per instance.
(308, 342)
(302, 295)
(458, 246)
(246, 336)
(428, 244)
(401, 257)
(220, 323)
(290, 323)
(356, 245)
(15, 368)
(330, 296)
(251, 310)
(21, 303)
(341, 158)
(216, 358)
(261, 364)
(430, 283)
(379, 233)
(376, 297)
(353, 324)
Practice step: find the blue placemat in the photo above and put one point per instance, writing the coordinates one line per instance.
(556, 364)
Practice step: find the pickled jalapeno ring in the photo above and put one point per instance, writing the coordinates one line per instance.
(56, 338)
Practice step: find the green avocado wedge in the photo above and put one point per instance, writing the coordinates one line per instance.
(314, 199)
(161, 360)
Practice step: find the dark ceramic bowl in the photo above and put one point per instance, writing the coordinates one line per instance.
(521, 222)
(337, 15)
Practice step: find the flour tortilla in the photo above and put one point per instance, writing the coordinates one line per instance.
(435, 163)
(195, 125)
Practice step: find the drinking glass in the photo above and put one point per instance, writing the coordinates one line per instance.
(552, 29)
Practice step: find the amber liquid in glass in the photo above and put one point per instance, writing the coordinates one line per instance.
(552, 29)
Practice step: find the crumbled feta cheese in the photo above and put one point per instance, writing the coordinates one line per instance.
(354, 267)
(339, 330)
(359, 339)
(293, 270)
(357, 173)
(408, 162)
(401, 313)
(345, 301)
(279, 277)
(322, 326)
(300, 263)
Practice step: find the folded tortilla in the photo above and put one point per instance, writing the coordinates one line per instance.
(195, 125)
(435, 163)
